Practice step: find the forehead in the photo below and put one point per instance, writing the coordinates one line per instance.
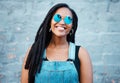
(64, 12)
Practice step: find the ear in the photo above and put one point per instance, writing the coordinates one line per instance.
(72, 31)
(50, 30)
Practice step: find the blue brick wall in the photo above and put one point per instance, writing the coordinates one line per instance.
(98, 32)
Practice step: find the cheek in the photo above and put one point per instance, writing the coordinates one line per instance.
(69, 27)
(52, 23)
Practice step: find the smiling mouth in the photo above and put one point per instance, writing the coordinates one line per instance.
(60, 27)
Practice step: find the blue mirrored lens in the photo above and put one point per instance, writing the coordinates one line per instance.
(57, 18)
(68, 20)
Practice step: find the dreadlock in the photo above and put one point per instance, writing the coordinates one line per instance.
(42, 40)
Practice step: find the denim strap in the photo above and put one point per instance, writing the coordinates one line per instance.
(72, 51)
(71, 54)
(44, 54)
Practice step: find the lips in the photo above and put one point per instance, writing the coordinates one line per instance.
(61, 27)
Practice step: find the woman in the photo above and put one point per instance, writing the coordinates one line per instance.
(53, 57)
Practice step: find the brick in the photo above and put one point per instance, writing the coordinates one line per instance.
(111, 59)
(111, 49)
(114, 27)
(106, 73)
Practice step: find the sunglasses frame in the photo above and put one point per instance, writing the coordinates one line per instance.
(67, 19)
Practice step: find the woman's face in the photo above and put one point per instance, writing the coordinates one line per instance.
(61, 23)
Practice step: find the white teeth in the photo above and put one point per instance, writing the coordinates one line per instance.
(61, 28)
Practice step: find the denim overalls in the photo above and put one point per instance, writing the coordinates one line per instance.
(58, 71)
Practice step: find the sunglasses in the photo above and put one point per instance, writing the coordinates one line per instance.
(67, 19)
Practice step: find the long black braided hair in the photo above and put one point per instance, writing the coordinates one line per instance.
(42, 40)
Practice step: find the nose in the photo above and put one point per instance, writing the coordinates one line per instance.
(62, 21)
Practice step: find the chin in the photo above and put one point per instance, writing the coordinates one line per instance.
(60, 35)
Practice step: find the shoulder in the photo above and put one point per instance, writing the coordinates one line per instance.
(25, 58)
(86, 72)
(27, 53)
(83, 51)
(24, 72)
(83, 54)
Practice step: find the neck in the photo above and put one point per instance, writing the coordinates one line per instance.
(59, 42)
